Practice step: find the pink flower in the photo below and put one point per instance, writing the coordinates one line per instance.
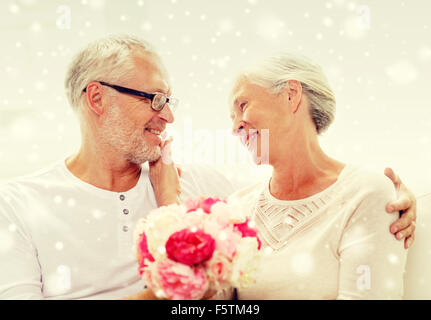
(180, 282)
(246, 231)
(225, 235)
(189, 247)
(202, 203)
(219, 268)
(207, 204)
(143, 253)
(192, 204)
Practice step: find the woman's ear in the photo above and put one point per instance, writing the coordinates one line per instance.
(94, 94)
(294, 91)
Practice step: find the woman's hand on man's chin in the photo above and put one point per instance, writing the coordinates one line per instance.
(164, 176)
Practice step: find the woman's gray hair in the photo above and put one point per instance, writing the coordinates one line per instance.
(274, 72)
(107, 59)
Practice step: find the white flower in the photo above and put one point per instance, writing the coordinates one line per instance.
(160, 224)
(195, 218)
(219, 270)
(224, 234)
(232, 211)
(245, 263)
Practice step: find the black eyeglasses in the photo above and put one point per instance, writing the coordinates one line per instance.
(158, 100)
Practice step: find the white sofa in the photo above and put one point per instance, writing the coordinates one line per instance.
(417, 281)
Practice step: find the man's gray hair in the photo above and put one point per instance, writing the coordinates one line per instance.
(274, 72)
(107, 59)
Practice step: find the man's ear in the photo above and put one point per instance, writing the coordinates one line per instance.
(94, 96)
(294, 91)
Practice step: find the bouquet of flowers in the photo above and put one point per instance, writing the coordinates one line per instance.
(192, 251)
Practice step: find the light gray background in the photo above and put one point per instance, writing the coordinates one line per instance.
(377, 55)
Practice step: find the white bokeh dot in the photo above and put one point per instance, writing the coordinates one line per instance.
(268, 250)
(14, 8)
(222, 236)
(58, 199)
(71, 202)
(393, 258)
(302, 263)
(97, 214)
(327, 22)
(59, 245)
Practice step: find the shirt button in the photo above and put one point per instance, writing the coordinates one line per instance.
(122, 197)
(125, 211)
(125, 228)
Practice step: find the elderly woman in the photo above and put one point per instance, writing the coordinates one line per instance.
(322, 221)
(324, 230)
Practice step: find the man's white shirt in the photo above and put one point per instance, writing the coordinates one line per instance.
(62, 238)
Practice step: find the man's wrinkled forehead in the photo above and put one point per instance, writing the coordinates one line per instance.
(151, 72)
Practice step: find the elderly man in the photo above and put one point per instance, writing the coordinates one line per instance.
(67, 230)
